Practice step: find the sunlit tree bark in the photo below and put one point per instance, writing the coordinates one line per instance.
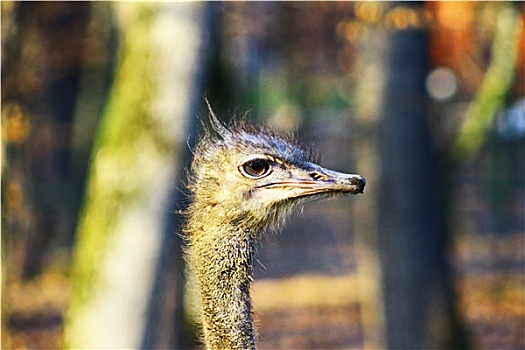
(134, 168)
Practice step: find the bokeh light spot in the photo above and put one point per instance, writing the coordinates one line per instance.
(442, 84)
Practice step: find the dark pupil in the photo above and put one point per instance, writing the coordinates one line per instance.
(256, 167)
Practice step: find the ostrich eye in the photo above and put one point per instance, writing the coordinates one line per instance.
(255, 168)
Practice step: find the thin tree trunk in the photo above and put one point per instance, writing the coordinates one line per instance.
(369, 91)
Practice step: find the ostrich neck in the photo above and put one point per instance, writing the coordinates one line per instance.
(223, 262)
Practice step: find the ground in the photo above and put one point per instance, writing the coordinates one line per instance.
(491, 289)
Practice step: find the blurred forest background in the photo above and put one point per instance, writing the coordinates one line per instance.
(102, 102)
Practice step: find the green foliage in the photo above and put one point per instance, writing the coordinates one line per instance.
(492, 94)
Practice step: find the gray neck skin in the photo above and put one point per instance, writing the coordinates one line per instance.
(223, 264)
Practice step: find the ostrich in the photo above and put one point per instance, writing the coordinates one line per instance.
(244, 180)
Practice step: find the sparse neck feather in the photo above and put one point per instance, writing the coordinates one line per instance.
(223, 264)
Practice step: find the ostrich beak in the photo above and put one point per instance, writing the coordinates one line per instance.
(326, 180)
(315, 180)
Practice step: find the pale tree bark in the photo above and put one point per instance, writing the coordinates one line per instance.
(134, 168)
(369, 94)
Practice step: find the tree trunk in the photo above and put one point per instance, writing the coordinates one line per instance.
(402, 219)
(134, 167)
(413, 235)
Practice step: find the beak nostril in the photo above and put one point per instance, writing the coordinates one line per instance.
(317, 176)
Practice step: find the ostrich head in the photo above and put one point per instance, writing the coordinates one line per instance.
(253, 176)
